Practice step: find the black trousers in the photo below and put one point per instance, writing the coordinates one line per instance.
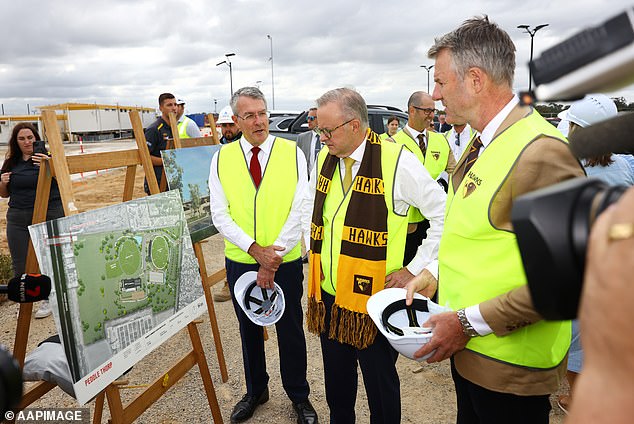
(479, 405)
(290, 333)
(18, 221)
(378, 365)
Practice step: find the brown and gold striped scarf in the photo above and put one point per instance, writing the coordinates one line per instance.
(362, 260)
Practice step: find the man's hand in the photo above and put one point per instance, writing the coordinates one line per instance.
(266, 256)
(265, 278)
(448, 337)
(424, 283)
(398, 278)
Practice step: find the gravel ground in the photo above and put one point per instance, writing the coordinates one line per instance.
(427, 396)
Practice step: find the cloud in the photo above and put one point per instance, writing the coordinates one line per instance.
(128, 51)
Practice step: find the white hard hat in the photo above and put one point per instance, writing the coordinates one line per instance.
(180, 102)
(591, 109)
(400, 324)
(225, 116)
(261, 306)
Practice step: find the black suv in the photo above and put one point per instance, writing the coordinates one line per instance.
(377, 115)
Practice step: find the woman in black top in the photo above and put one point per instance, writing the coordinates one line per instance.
(18, 182)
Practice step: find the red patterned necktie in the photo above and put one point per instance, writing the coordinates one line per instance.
(254, 167)
(474, 151)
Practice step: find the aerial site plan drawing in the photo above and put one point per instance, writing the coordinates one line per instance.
(125, 279)
(188, 171)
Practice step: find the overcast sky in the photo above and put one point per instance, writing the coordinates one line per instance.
(130, 51)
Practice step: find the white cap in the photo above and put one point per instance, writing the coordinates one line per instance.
(403, 330)
(225, 116)
(180, 102)
(261, 306)
(592, 109)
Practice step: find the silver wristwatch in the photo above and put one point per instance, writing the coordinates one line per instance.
(467, 328)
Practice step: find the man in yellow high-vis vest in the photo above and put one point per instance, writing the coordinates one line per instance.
(187, 128)
(505, 358)
(433, 151)
(363, 188)
(257, 186)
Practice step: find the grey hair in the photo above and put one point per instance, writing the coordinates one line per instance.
(482, 44)
(352, 104)
(252, 92)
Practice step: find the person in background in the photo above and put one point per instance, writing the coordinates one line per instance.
(18, 182)
(433, 151)
(506, 359)
(229, 129)
(611, 169)
(308, 141)
(442, 126)
(157, 134)
(187, 127)
(392, 127)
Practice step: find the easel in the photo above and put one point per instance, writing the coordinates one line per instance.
(207, 280)
(216, 277)
(61, 170)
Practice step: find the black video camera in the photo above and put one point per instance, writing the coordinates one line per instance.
(10, 382)
(553, 224)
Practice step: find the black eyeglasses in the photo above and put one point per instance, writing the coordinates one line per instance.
(325, 132)
(311, 118)
(427, 110)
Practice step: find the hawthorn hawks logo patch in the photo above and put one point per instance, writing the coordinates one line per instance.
(435, 155)
(362, 285)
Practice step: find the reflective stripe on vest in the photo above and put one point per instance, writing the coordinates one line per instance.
(478, 262)
(260, 213)
(336, 205)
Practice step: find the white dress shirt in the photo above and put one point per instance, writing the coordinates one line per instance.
(291, 231)
(464, 137)
(413, 186)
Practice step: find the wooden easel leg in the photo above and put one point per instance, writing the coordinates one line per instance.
(211, 310)
(128, 188)
(114, 403)
(204, 372)
(22, 332)
(99, 401)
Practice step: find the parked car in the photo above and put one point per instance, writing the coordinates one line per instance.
(377, 115)
(280, 123)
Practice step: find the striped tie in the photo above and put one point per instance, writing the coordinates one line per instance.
(421, 143)
(474, 151)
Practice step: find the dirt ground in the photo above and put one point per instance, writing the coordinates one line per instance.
(427, 396)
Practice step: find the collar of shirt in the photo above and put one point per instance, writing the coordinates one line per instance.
(357, 155)
(265, 147)
(415, 133)
(489, 131)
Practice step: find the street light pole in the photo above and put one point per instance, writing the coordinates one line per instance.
(427, 68)
(227, 61)
(532, 34)
(272, 77)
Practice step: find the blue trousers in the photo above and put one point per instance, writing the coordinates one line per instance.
(378, 365)
(291, 341)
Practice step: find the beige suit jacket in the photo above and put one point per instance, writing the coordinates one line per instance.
(544, 162)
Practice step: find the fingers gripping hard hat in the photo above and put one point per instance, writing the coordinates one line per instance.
(592, 109)
(401, 324)
(261, 306)
(225, 116)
